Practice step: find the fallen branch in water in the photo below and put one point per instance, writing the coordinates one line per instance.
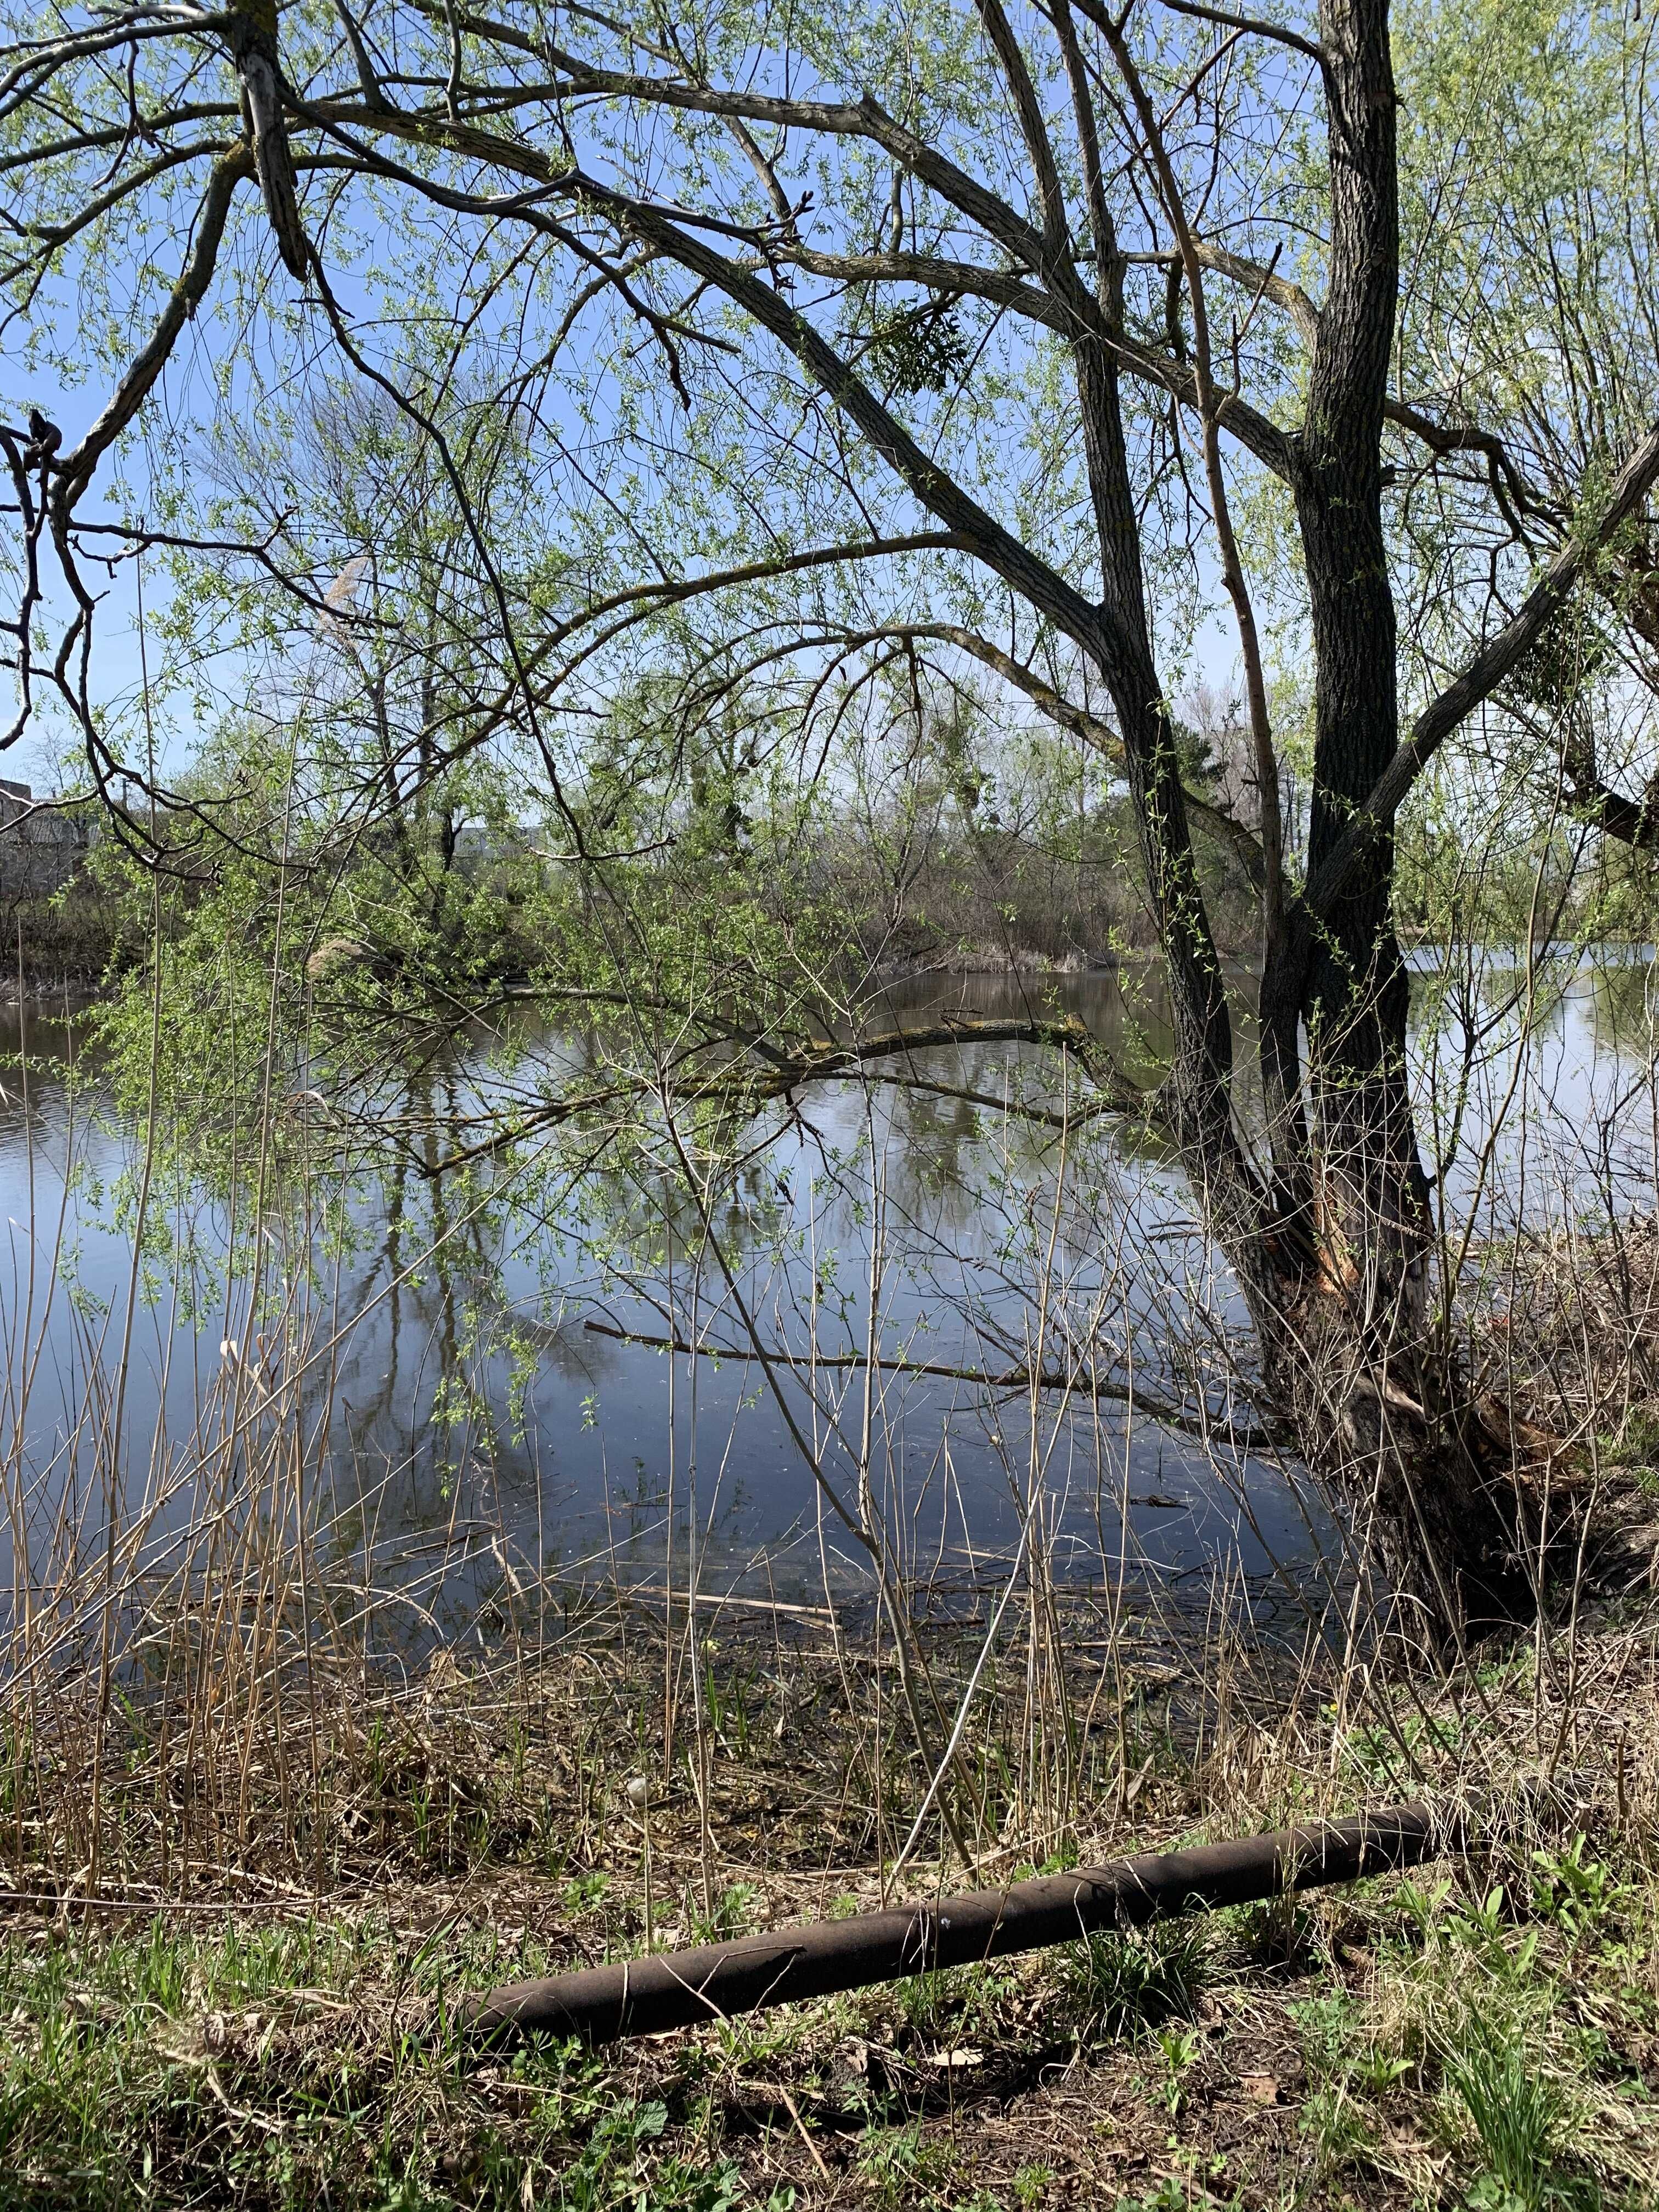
(1012, 1378)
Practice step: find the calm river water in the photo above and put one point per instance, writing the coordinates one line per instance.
(473, 1428)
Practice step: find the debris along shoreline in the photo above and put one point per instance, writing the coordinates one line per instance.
(646, 1997)
(310, 2037)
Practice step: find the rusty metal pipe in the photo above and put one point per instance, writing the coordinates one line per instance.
(677, 1989)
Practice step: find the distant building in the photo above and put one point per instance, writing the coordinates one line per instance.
(39, 849)
(478, 843)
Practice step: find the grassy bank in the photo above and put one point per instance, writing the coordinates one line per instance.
(250, 1868)
(264, 2014)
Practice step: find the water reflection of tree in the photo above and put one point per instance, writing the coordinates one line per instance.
(1621, 1005)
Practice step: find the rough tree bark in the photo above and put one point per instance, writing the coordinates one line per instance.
(1333, 1245)
(1344, 1316)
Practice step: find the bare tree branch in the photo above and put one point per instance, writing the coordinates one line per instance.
(76, 470)
(1254, 25)
(746, 1089)
(1495, 660)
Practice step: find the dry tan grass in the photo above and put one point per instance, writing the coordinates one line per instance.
(481, 1826)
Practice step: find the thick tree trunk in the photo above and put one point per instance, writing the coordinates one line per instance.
(1340, 1290)
(1335, 1257)
(1380, 1410)
(1328, 1226)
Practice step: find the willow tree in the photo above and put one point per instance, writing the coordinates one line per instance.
(1001, 337)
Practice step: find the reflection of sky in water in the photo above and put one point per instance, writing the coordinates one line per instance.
(456, 1455)
(1565, 1124)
